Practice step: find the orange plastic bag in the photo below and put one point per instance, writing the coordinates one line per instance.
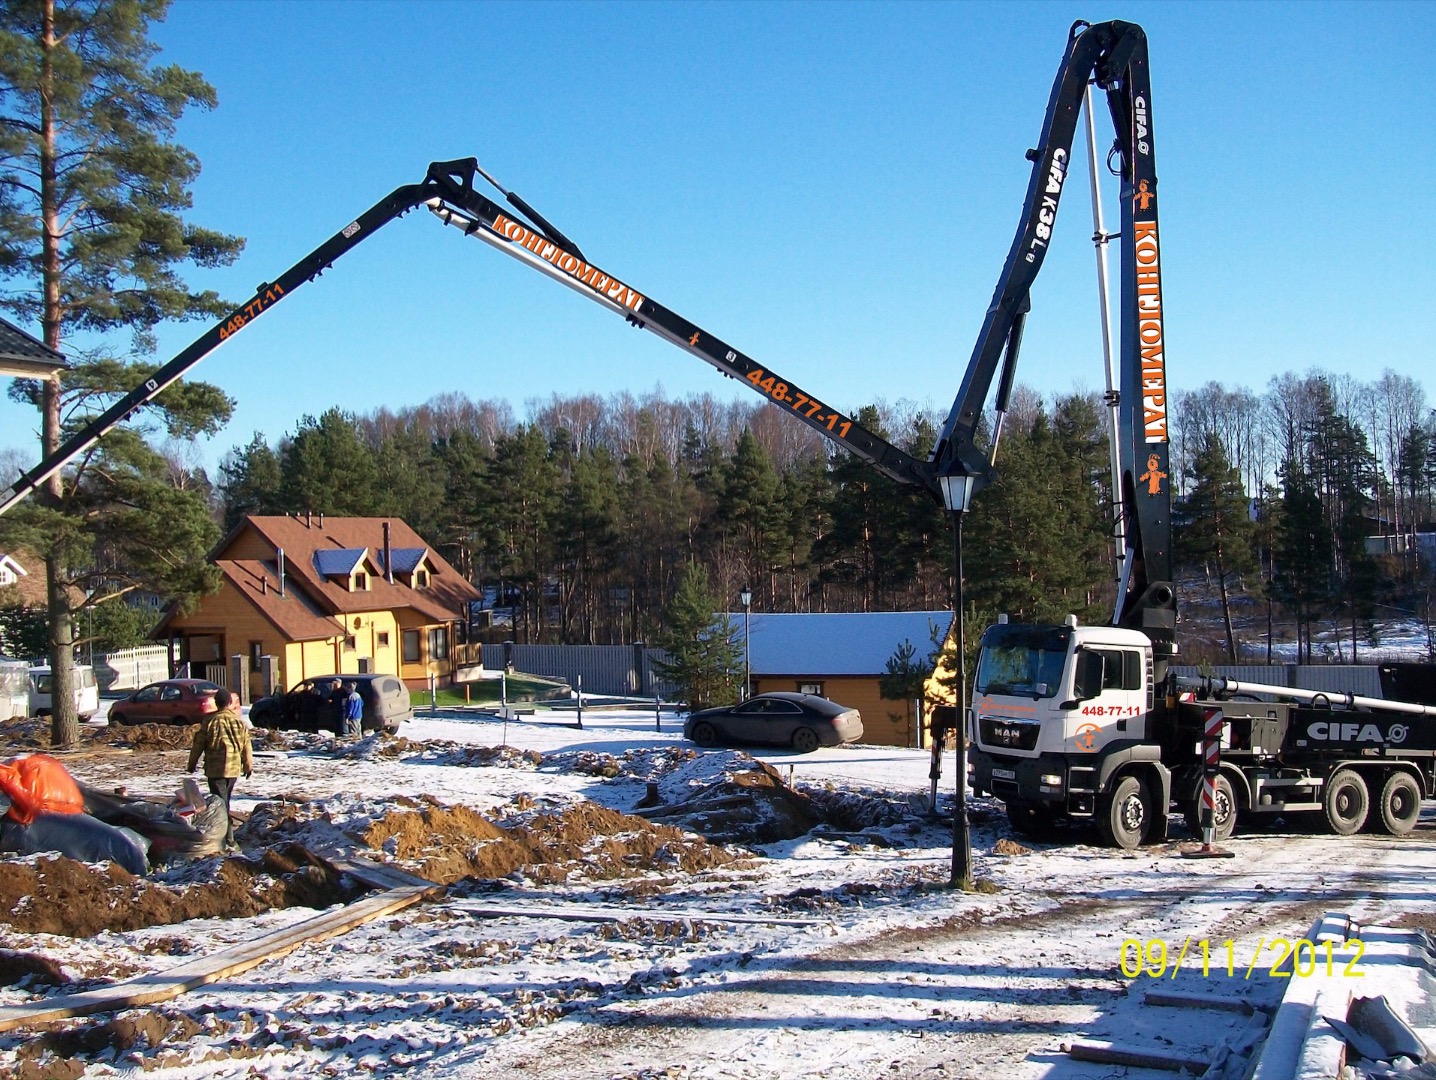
(38, 782)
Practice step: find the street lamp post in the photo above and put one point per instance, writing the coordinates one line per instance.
(746, 598)
(956, 496)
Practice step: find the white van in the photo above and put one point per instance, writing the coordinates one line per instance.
(87, 691)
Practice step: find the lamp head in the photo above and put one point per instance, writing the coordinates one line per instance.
(957, 491)
(746, 596)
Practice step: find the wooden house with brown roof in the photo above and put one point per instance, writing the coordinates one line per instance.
(18, 586)
(336, 595)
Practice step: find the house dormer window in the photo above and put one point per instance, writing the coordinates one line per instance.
(359, 582)
(421, 579)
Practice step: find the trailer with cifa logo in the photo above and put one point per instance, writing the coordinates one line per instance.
(1361, 762)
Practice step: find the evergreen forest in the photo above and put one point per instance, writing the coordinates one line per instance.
(580, 518)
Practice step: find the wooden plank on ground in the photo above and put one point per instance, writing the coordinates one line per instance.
(598, 913)
(163, 985)
(1108, 1053)
(692, 807)
(1198, 1000)
(379, 875)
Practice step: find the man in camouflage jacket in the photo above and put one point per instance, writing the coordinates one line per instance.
(223, 740)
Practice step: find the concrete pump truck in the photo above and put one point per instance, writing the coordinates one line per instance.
(1089, 722)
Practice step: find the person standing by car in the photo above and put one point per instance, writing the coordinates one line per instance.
(353, 712)
(223, 741)
(337, 698)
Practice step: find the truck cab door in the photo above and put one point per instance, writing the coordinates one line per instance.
(1111, 700)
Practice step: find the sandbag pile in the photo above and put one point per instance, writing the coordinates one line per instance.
(193, 826)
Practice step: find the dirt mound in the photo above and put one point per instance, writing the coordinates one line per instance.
(750, 807)
(51, 895)
(147, 736)
(1005, 846)
(21, 734)
(446, 844)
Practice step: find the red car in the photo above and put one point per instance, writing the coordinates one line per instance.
(173, 701)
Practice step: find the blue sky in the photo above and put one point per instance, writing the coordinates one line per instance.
(830, 187)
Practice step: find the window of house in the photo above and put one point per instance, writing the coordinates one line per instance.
(421, 579)
(439, 643)
(411, 647)
(361, 582)
(349, 643)
(256, 650)
(811, 688)
(382, 639)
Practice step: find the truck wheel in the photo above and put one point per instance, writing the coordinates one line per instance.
(1346, 802)
(1124, 817)
(1224, 820)
(1400, 804)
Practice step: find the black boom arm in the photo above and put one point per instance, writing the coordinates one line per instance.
(448, 190)
(1114, 56)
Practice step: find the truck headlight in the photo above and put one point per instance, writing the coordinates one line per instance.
(1051, 779)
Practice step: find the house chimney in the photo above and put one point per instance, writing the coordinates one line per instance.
(264, 585)
(281, 571)
(388, 556)
(321, 521)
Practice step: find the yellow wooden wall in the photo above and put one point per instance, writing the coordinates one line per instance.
(230, 620)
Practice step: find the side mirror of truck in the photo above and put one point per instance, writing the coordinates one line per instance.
(1088, 681)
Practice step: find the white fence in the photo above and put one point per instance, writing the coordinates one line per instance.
(14, 689)
(129, 669)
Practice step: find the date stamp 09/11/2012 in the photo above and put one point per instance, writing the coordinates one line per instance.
(1284, 958)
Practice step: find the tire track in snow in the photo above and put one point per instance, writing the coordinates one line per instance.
(978, 990)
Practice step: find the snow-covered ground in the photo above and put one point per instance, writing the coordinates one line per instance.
(870, 967)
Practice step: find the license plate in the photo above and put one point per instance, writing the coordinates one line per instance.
(1003, 774)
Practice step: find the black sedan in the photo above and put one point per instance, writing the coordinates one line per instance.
(802, 721)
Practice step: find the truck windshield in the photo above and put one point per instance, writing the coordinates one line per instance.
(1020, 659)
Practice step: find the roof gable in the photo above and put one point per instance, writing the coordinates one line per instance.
(341, 562)
(406, 560)
(343, 545)
(26, 357)
(836, 643)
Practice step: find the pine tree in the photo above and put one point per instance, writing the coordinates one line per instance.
(328, 468)
(588, 532)
(704, 660)
(1216, 530)
(749, 514)
(1029, 536)
(250, 480)
(93, 192)
(518, 510)
(1302, 558)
